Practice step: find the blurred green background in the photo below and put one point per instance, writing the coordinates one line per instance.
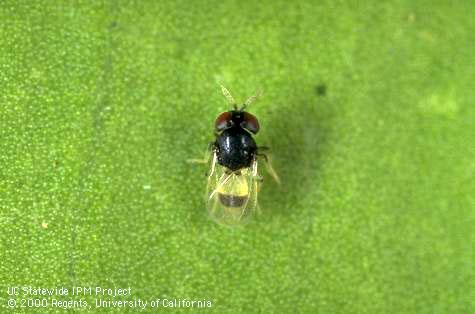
(368, 108)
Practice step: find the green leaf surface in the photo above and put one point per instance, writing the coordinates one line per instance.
(368, 108)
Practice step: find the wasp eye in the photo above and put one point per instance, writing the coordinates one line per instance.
(223, 121)
(250, 123)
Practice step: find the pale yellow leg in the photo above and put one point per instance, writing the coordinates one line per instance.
(270, 169)
(203, 160)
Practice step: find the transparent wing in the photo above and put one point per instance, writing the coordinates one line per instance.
(232, 196)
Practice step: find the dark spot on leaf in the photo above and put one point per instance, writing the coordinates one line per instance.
(321, 90)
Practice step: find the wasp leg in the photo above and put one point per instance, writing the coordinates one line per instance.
(263, 148)
(269, 168)
(205, 160)
(209, 152)
(206, 156)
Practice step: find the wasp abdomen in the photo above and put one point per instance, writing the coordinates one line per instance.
(232, 200)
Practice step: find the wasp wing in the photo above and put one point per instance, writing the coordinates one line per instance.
(232, 196)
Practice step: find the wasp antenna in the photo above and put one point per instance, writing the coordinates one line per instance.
(228, 96)
(251, 99)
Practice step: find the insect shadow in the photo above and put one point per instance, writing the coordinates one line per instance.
(298, 133)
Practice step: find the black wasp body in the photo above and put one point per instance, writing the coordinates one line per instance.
(233, 179)
(235, 147)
